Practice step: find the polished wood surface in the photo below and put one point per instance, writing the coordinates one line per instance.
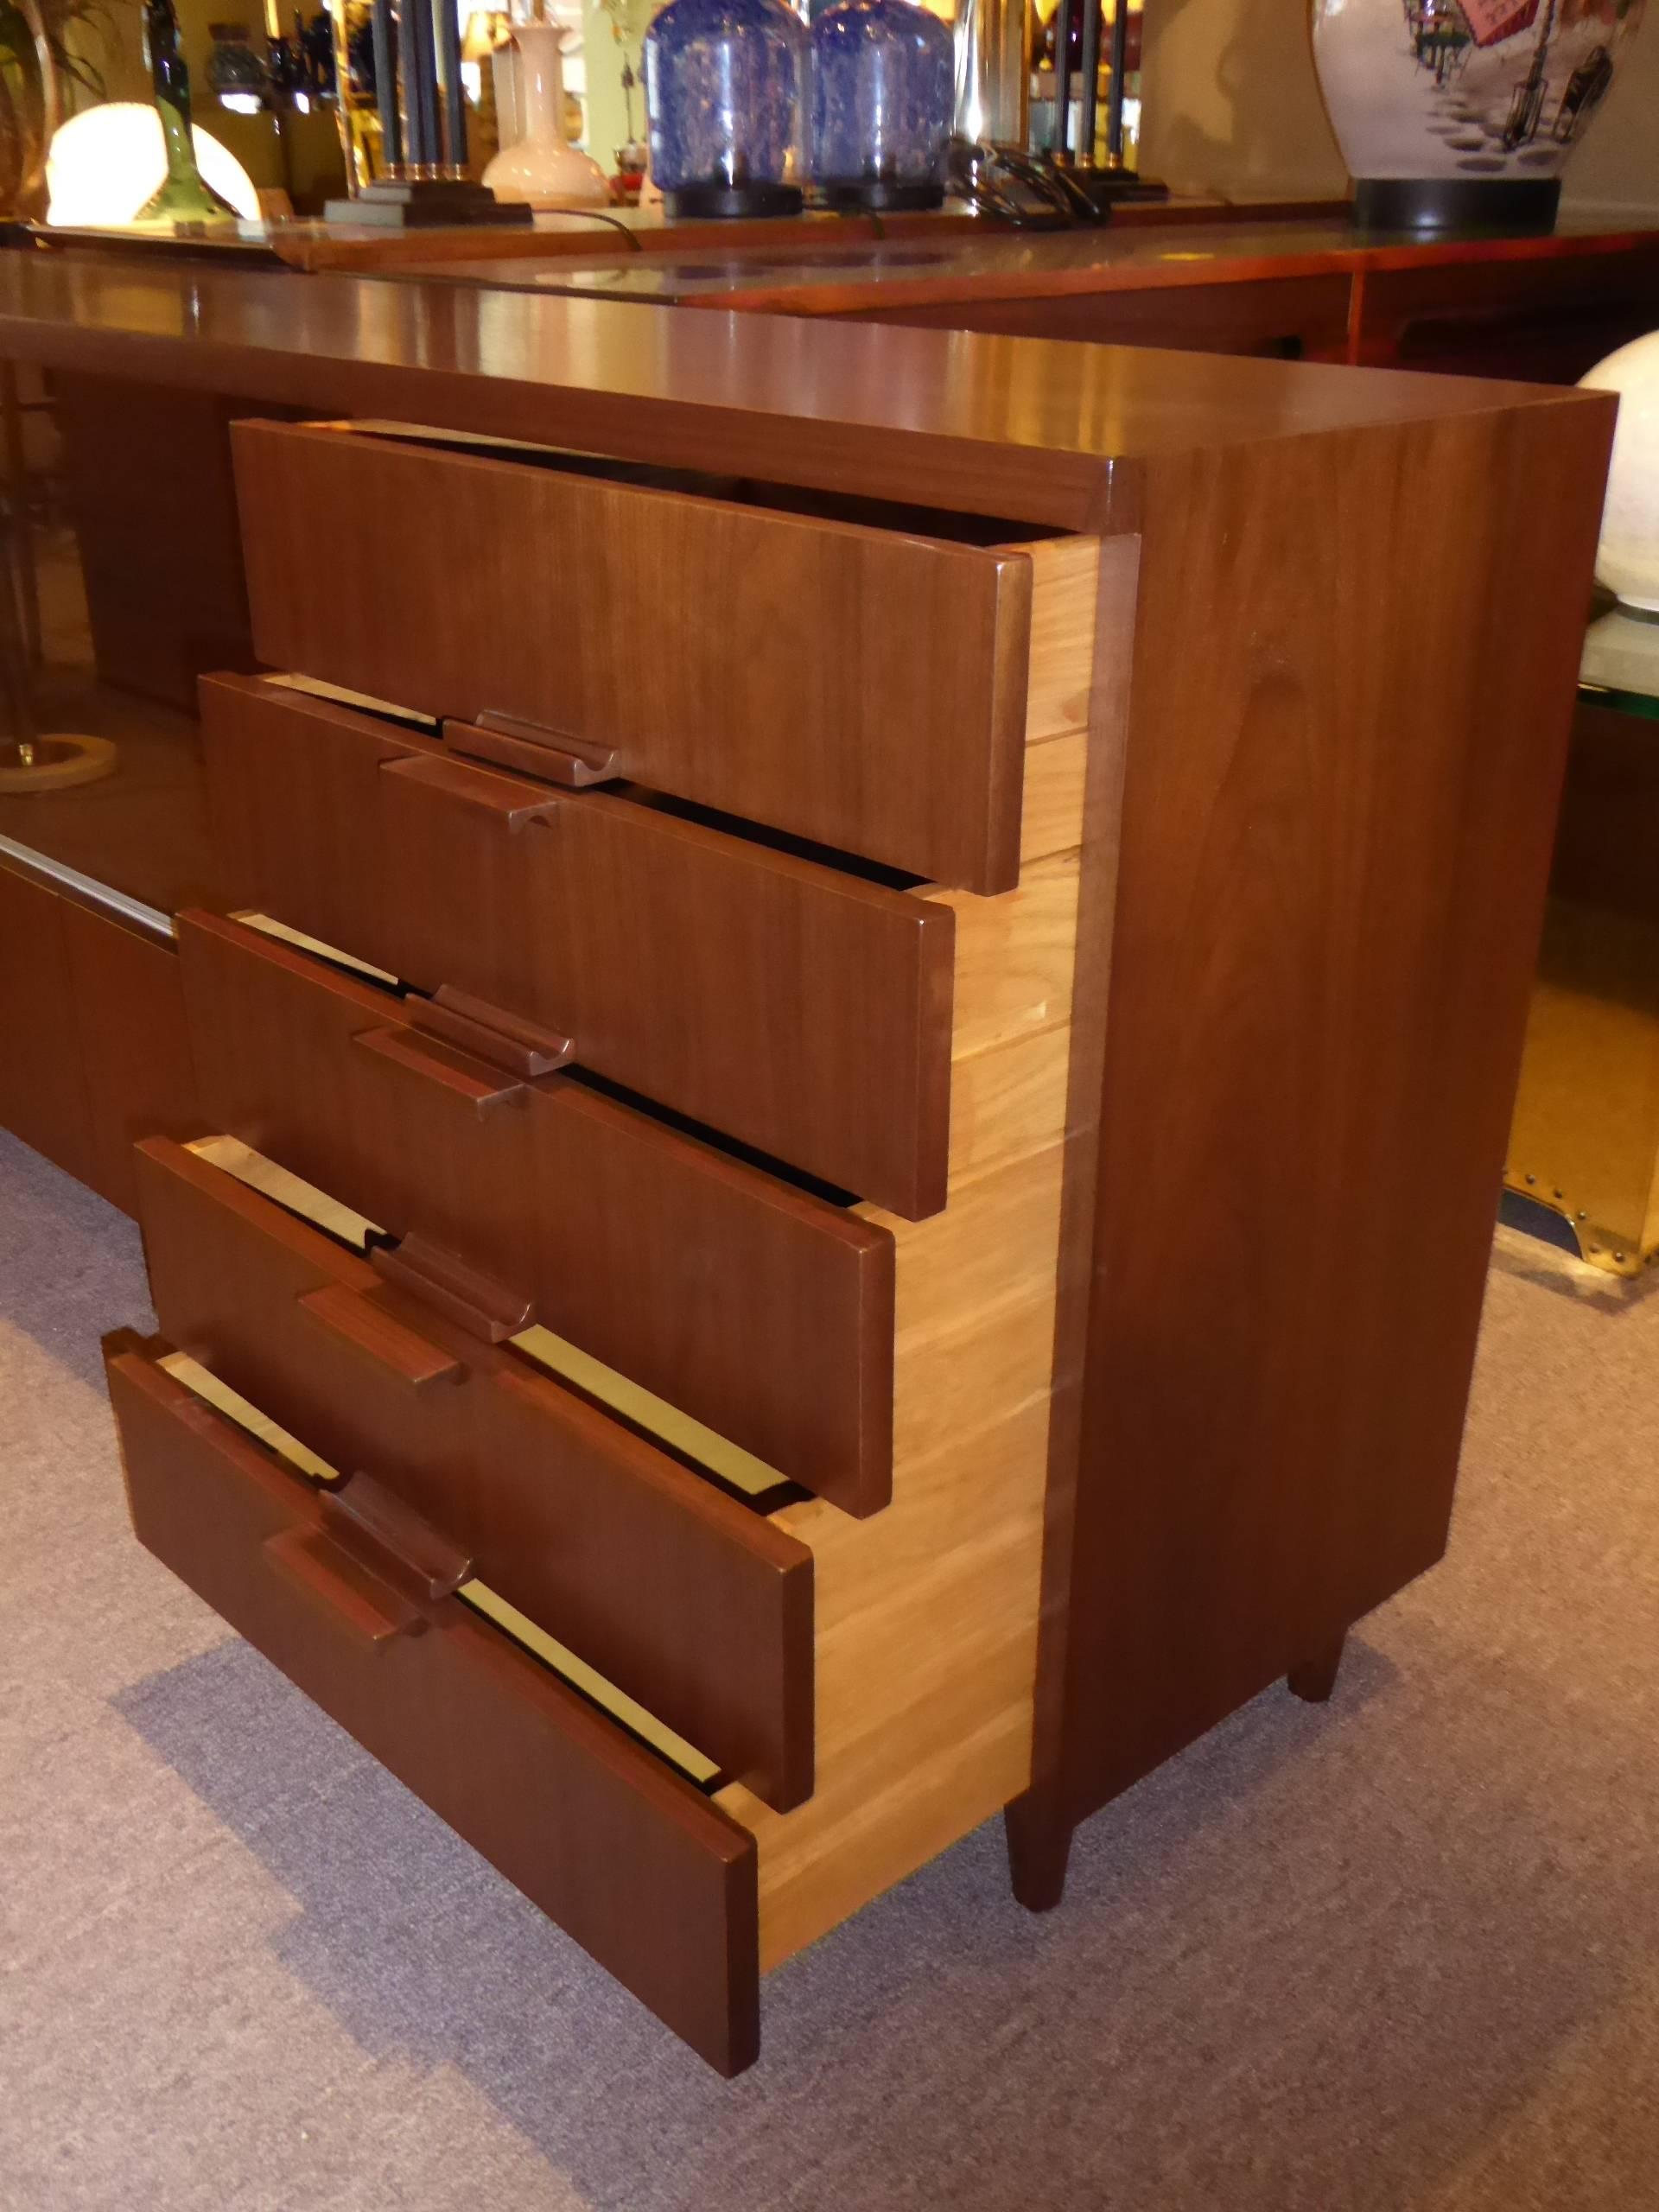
(1295, 289)
(679, 1594)
(1335, 828)
(149, 479)
(1038, 432)
(94, 1051)
(877, 704)
(799, 1007)
(42, 1074)
(1168, 1393)
(639, 1868)
(135, 1046)
(142, 830)
(651, 232)
(757, 1308)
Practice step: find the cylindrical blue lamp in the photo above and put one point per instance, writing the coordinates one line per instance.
(883, 85)
(724, 85)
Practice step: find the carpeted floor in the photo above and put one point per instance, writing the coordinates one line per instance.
(1397, 1954)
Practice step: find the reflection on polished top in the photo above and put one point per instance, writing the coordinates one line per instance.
(1033, 430)
(838, 277)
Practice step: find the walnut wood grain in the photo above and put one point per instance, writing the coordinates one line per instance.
(763, 1311)
(639, 1868)
(792, 1006)
(165, 593)
(135, 1045)
(42, 1078)
(94, 1050)
(1048, 433)
(682, 1597)
(1335, 828)
(877, 702)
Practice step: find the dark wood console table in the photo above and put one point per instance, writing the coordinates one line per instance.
(820, 1158)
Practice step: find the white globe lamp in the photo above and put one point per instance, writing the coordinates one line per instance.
(1623, 648)
(107, 162)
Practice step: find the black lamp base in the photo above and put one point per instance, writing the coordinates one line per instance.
(424, 204)
(879, 196)
(696, 202)
(1505, 204)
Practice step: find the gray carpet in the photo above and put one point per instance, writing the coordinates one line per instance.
(1400, 1953)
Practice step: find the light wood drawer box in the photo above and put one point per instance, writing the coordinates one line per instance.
(800, 1008)
(685, 1597)
(757, 1308)
(860, 686)
(624, 1853)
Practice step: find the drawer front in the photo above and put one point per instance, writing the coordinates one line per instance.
(762, 1311)
(647, 1876)
(860, 687)
(689, 1601)
(794, 1006)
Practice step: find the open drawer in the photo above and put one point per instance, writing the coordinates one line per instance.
(685, 1597)
(801, 1009)
(863, 686)
(607, 1839)
(761, 1310)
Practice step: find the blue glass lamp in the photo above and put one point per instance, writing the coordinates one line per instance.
(883, 85)
(724, 83)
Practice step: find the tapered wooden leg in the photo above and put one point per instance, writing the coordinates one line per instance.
(1039, 1844)
(1315, 1679)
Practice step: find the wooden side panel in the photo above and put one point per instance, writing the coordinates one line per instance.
(141, 1079)
(762, 1311)
(794, 1006)
(643, 1872)
(1336, 827)
(679, 1594)
(878, 702)
(42, 1084)
(927, 1615)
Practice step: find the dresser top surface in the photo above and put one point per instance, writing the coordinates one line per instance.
(1029, 429)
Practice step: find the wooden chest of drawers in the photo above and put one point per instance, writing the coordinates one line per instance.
(845, 1150)
(750, 1124)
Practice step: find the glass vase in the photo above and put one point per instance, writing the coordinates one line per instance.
(883, 85)
(724, 85)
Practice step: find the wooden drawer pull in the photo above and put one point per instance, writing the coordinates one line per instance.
(494, 796)
(369, 1609)
(374, 1526)
(475, 1086)
(355, 1320)
(533, 750)
(489, 1033)
(483, 1307)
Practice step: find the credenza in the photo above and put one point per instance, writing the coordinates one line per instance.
(843, 1072)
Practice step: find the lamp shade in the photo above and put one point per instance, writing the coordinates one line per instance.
(1627, 560)
(107, 162)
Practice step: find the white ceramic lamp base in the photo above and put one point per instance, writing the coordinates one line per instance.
(543, 170)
